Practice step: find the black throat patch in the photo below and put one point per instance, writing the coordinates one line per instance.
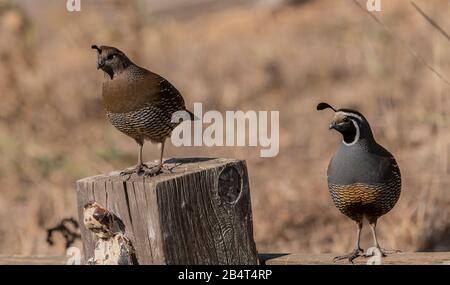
(349, 134)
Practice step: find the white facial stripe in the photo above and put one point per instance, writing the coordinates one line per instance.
(352, 115)
(357, 132)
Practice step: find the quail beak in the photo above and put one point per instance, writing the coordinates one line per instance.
(99, 65)
(333, 125)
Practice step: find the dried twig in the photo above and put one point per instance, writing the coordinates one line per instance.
(431, 21)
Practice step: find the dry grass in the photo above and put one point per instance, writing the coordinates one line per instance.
(53, 130)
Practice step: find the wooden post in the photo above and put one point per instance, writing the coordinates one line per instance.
(200, 213)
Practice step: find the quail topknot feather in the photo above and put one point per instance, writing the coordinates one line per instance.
(363, 177)
(138, 102)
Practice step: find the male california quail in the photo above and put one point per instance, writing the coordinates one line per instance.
(139, 103)
(363, 178)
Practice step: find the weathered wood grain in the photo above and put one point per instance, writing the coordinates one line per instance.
(419, 258)
(199, 213)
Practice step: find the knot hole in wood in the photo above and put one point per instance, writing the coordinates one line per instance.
(230, 184)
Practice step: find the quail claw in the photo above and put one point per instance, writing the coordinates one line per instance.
(351, 256)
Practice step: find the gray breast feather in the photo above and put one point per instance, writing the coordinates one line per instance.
(353, 165)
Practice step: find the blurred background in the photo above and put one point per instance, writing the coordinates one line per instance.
(229, 55)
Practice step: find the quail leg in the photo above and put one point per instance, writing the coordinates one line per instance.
(357, 251)
(384, 252)
(139, 169)
(155, 170)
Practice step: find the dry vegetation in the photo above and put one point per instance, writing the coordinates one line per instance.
(53, 130)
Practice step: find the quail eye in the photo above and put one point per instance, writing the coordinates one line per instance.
(111, 56)
(345, 119)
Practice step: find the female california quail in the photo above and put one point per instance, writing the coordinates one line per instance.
(139, 103)
(363, 178)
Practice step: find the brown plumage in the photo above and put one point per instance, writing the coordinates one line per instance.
(138, 102)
